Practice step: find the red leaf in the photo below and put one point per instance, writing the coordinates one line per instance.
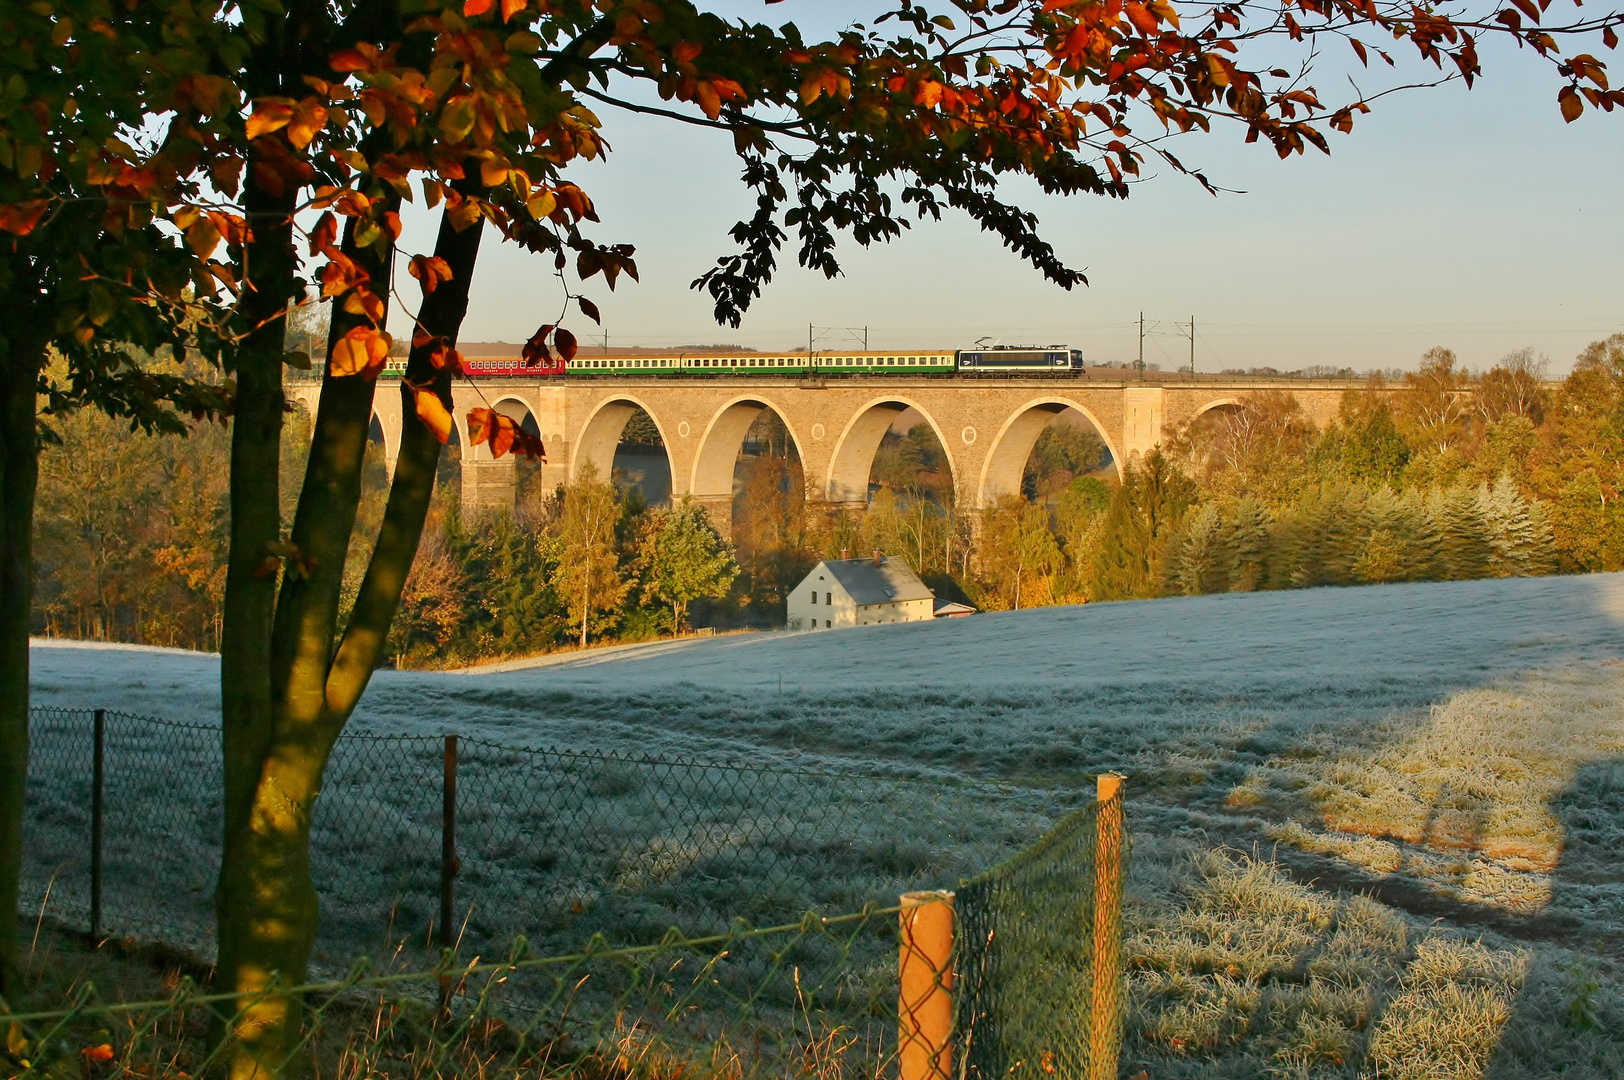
(535, 350)
(19, 219)
(564, 342)
(529, 445)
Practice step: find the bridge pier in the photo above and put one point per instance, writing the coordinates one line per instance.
(719, 507)
(487, 485)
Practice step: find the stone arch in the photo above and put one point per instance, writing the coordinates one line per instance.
(712, 477)
(519, 410)
(1012, 446)
(379, 430)
(849, 468)
(601, 433)
(1216, 403)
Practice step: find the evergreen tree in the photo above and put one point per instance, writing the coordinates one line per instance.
(1197, 563)
(1463, 535)
(1364, 444)
(1520, 542)
(1389, 551)
(1144, 516)
(1248, 545)
(1319, 541)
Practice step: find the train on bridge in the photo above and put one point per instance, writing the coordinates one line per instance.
(993, 360)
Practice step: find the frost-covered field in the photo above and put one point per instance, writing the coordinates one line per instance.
(1453, 750)
(1058, 691)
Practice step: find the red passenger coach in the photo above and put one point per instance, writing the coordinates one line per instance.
(490, 367)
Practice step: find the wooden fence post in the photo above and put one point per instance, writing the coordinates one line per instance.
(1105, 1027)
(925, 1001)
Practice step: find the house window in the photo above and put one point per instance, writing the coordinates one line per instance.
(826, 624)
(814, 596)
(828, 598)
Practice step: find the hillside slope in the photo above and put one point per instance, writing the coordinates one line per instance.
(1011, 693)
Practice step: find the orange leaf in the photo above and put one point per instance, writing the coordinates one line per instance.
(1571, 104)
(480, 423)
(501, 436)
(511, 8)
(104, 1052)
(432, 411)
(357, 59)
(19, 219)
(363, 301)
(470, 8)
(309, 117)
(446, 358)
(325, 232)
(685, 51)
(202, 238)
(492, 173)
(362, 351)
(269, 116)
(430, 270)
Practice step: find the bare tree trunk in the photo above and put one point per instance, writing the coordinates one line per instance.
(21, 356)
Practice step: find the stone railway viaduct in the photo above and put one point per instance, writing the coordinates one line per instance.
(986, 426)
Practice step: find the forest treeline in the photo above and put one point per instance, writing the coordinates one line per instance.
(1440, 475)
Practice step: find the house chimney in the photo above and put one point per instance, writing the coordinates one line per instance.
(879, 560)
(845, 553)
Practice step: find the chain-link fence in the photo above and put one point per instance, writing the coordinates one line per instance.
(534, 853)
(554, 845)
(1017, 974)
(815, 998)
(1038, 981)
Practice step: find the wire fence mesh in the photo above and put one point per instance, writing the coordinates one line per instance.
(814, 998)
(1038, 988)
(1015, 974)
(556, 845)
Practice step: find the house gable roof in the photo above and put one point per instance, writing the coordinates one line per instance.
(890, 582)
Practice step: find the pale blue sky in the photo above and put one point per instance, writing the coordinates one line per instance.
(1472, 219)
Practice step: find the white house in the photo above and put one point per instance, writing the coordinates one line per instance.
(855, 592)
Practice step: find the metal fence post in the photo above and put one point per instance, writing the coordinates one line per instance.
(925, 993)
(448, 842)
(1105, 1027)
(97, 786)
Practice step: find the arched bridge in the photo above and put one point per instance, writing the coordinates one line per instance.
(986, 427)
